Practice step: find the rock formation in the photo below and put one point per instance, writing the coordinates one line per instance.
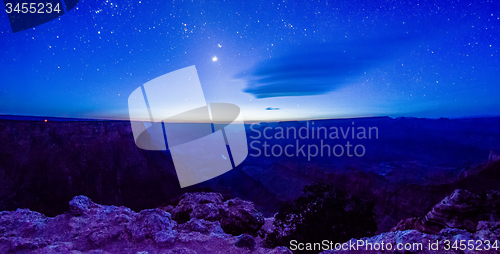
(92, 228)
(236, 216)
(462, 209)
(414, 237)
(460, 216)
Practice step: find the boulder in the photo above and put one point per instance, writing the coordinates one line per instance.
(240, 216)
(458, 210)
(236, 216)
(80, 205)
(94, 225)
(200, 205)
(155, 224)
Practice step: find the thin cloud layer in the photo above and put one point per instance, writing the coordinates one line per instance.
(318, 69)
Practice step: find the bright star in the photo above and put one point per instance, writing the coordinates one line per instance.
(214, 59)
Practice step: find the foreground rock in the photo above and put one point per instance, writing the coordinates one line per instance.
(461, 209)
(236, 216)
(94, 228)
(447, 241)
(462, 222)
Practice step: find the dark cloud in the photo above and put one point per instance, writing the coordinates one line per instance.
(319, 69)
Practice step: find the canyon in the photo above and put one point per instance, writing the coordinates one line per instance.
(412, 165)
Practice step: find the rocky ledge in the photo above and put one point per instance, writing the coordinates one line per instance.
(201, 223)
(461, 217)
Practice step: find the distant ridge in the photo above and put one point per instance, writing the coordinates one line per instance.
(73, 119)
(289, 121)
(51, 118)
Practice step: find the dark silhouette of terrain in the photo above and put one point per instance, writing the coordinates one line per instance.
(412, 165)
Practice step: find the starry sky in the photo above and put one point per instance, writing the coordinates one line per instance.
(276, 60)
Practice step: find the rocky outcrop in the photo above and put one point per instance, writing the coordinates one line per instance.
(236, 216)
(461, 216)
(419, 242)
(202, 226)
(93, 228)
(205, 206)
(267, 228)
(87, 226)
(462, 209)
(240, 216)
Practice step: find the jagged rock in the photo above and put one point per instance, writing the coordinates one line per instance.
(19, 244)
(93, 228)
(267, 228)
(236, 216)
(485, 231)
(202, 226)
(22, 222)
(198, 205)
(415, 237)
(79, 205)
(87, 226)
(408, 236)
(245, 241)
(240, 216)
(153, 223)
(458, 217)
(461, 209)
(488, 230)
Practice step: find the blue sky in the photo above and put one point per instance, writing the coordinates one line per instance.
(304, 60)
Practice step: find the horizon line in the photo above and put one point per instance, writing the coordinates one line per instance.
(76, 119)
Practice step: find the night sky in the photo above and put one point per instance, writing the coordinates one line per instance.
(277, 60)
